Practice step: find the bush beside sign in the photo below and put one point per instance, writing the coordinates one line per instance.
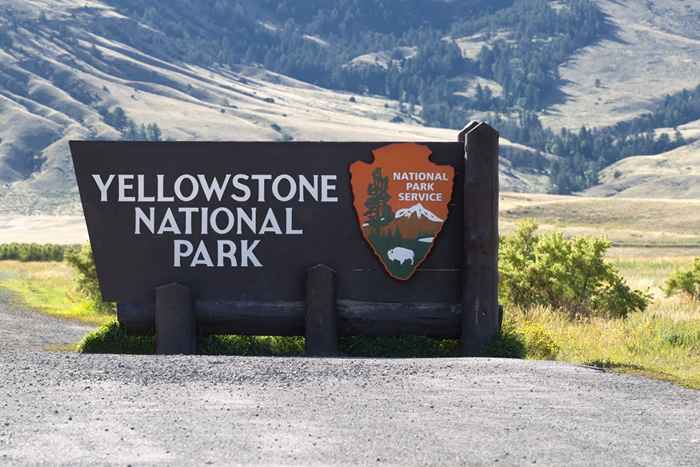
(240, 227)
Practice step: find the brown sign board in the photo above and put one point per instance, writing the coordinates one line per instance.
(244, 221)
(407, 234)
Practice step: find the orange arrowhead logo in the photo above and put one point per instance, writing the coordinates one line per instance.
(402, 201)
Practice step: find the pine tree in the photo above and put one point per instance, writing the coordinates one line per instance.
(379, 212)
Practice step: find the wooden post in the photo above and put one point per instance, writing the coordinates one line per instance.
(175, 321)
(321, 315)
(480, 311)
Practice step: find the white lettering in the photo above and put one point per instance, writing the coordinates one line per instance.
(103, 186)
(215, 221)
(290, 221)
(241, 187)
(248, 219)
(183, 249)
(292, 188)
(169, 225)
(123, 187)
(178, 188)
(161, 190)
(308, 187)
(149, 220)
(201, 256)
(143, 198)
(248, 256)
(327, 188)
(261, 179)
(226, 250)
(214, 186)
(270, 224)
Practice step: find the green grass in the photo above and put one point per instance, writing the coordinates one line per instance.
(662, 343)
(111, 338)
(48, 287)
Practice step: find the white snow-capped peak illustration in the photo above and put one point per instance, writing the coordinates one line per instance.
(419, 211)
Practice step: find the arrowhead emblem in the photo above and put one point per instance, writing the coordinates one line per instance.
(402, 201)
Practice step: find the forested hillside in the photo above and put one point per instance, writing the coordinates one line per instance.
(524, 42)
(141, 69)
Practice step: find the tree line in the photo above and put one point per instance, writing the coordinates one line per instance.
(129, 129)
(585, 152)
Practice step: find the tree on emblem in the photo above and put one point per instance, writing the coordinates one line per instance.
(378, 213)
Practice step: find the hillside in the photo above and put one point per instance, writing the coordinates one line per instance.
(57, 85)
(654, 50)
(353, 70)
(675, 174)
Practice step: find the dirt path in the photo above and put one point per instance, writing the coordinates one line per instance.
(25, 330)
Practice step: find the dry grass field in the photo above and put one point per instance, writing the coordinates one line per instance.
(636, 227)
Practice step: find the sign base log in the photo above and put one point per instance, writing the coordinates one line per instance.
(321, 326)
(175, 324)
(480, 310)
(355, 318)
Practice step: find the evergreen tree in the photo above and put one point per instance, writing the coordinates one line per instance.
(379, 212)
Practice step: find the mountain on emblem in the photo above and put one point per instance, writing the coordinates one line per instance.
(419, 211)
(401, 201)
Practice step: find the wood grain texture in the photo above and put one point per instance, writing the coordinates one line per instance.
(354, 318)
(321, 328)
(480, 322)
(175, 324)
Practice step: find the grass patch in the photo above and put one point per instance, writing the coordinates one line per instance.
(662, 343)
(112, 339)
(48, 287)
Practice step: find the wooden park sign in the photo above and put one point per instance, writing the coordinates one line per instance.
(314, 239)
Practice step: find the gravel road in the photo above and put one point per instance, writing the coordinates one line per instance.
(62, 408)
(22, 329)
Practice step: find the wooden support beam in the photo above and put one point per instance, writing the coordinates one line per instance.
(480, 317)
(441, 320)
(321, 327)
(175, 325)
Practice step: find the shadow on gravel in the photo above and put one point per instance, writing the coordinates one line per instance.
(113, 339)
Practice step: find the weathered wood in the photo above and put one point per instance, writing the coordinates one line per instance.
(462, 136)
(175, 325)
(321, 328)
(480, 320)
(399, 319)
(287, 318)
(250, 318)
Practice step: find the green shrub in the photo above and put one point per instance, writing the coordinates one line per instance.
(571, 275)
(687, 282)
(252, 345)
(538, 343)
(84, 264)
(398, 347)
(34, 251)
(112, 339)
(508, 344)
